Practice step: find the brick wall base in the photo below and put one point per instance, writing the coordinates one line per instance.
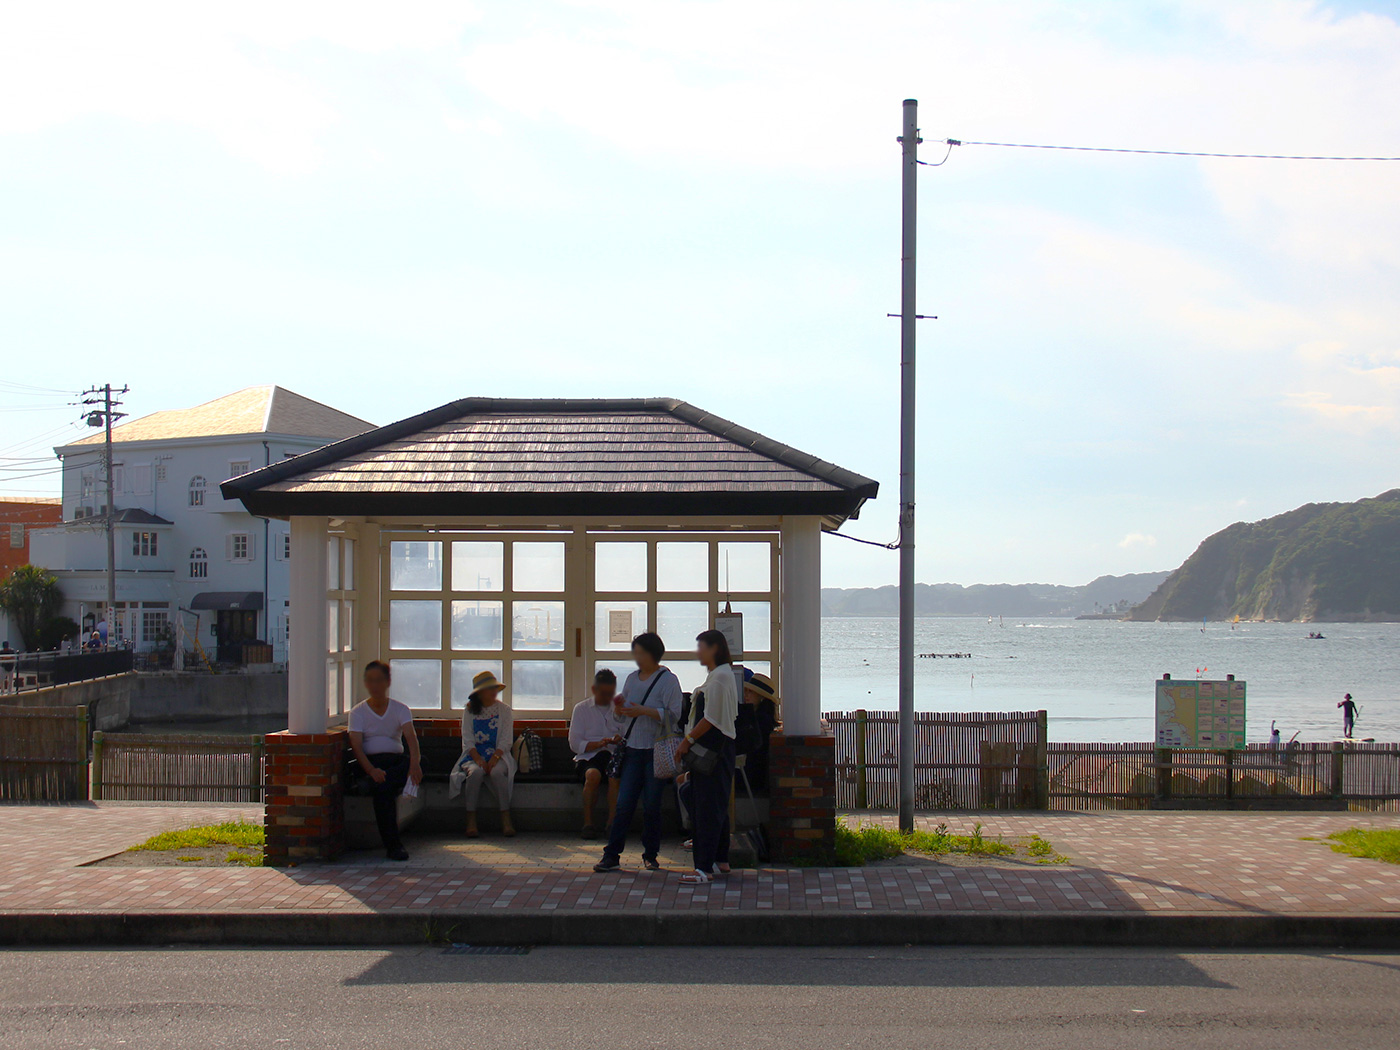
(304, 792)
(802, 798)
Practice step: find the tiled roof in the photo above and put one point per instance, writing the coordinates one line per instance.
(484, 455)
(256, 410)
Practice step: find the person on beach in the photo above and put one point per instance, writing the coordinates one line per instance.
(1348, 707)
(1275, 737)
(651, 704)
(594, 733)
(379, 728)
(709, 747)
(488, 731)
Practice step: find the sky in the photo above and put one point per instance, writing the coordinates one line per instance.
(387, 207)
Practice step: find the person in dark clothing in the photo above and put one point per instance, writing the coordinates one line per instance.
(1348, 707)
(756, 721)
(379, 728)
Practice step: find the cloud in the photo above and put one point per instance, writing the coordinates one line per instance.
(1137, 539)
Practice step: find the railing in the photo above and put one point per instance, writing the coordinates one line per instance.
(177, 767)
(43, 754)
(961, 760)
(35, 670)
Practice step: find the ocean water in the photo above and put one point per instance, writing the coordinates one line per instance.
(1096, 677)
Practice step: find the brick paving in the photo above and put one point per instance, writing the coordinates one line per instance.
(1162, 863)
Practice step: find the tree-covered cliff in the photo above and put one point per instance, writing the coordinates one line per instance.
(1324, 561)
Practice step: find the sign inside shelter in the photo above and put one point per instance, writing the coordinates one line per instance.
(619, 625)
(731, 625)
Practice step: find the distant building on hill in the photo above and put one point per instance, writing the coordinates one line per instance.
(181, 548)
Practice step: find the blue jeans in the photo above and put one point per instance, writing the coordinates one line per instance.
(637, 784)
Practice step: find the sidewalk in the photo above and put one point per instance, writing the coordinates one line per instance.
(1161, 878)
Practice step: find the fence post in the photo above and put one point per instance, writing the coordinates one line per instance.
(83, 751)
(256, 774)
(1042, 760)
(1229, 775)
(1338, 768)
(861, 796)
(1164, 774)
(99, 742)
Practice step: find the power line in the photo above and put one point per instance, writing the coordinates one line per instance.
(869, 543)
(1161, 152)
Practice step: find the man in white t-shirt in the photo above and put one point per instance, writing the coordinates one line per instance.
(379, 728)
(594, 731)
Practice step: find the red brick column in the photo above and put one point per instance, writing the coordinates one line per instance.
(304, 796)
(802, 798)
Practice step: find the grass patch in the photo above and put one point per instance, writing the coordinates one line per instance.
(248, 860)
(1373, 843)
(872, 842)
(186, 860)
(231, 833)
(1044, 853)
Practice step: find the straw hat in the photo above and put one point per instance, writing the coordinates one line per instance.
(483, 681)
(763, 686)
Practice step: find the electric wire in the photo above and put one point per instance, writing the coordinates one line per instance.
(1167, 152)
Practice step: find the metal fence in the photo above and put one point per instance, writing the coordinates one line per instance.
(961, 760)
(43, 754)
(177, 767)
(1140, 776)
(24, 671)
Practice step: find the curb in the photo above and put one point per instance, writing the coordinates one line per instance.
(682, 928)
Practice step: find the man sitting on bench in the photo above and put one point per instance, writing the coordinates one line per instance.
(594, 731)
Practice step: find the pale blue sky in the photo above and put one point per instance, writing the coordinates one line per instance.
(385, 208)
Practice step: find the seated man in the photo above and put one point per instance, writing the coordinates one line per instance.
(594, 730)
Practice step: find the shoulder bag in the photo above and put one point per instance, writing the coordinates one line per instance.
(615, 763)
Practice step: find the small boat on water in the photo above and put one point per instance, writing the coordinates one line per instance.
(1316, 636)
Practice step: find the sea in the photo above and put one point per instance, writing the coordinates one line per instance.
(1096, 678)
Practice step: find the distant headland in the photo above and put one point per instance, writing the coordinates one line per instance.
(1112, 596)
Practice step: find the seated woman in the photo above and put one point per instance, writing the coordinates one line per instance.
(379, 726)
(488, 731)
(757, 720)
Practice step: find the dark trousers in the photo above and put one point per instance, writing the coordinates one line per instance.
(386, 796)
(637, 784)
(709, 795)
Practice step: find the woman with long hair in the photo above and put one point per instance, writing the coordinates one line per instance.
(708, 749)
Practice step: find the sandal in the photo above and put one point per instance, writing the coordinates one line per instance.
(688, 844)
(651, 864)
(697, 878)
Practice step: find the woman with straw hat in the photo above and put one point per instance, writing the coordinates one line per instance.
(488, 730)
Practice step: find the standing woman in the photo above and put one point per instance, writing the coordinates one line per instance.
(709, 745)
(488, 731)
(379, 726)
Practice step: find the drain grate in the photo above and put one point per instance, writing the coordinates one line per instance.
(487, 949)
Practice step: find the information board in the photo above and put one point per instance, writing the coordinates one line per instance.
(1200, 713)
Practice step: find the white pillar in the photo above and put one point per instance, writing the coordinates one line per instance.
(801, 598)
(366, 598)
(306, 655)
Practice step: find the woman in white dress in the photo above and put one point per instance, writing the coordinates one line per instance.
(488, 731)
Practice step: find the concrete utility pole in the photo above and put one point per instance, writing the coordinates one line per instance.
(104, 417)
(907, 319)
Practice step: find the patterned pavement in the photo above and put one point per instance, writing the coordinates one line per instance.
(1177, 863)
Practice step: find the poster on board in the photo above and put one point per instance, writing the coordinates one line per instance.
(619, 626)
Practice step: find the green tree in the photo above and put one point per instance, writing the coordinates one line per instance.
(31, 598)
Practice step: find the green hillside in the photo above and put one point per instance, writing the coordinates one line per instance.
(1324, 561)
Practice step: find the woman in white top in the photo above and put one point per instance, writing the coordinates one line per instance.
(488, 731)
(379, 726)
(709, 749)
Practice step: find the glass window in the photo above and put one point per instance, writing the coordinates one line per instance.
(347, 625)
(538, 566)
(683, 566)
(758, 624)
(691, 673)
(478, 565)
(347, 685)
(621, 668)
(537, 625)
(347, 565)
(415, 565)
(197, 486)
(615, 624)
(620, 567)
(476, 625)
(415, 625)
(536, 685)
(333, 564)
(334, 701)
(679, 622)
(333, 626)
(463, 671)
(745, 566)
(417, 683)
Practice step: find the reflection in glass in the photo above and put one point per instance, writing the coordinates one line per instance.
(758, 624)
(347, 624)
(476, 625)
(614, 633)
(415, 625)
(332, 625)
(745, 566)
(417, 683)
(347, 565)
(620, 566)
(335, 703)
(415, 565)
(680, 622)
(333, 563)
(690, 672)
(537, 625)
(347, 687)
(621, 668)
(536, 685)
(683, 566)
(463, 671)
(537, 566)
(478, 565)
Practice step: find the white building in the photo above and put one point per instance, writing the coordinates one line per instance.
(182, 550)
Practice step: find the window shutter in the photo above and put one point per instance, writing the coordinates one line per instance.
(252, 551)
(228, 547)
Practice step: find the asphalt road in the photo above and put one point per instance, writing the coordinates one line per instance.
(617, 999)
